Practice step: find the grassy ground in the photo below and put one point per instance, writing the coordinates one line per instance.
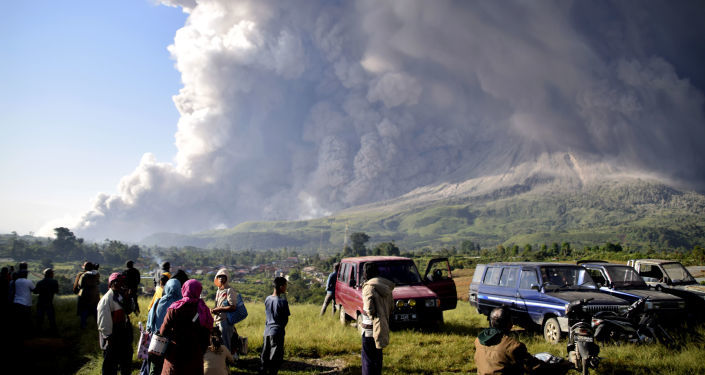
(322, 345)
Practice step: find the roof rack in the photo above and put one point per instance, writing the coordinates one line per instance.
(590, 261)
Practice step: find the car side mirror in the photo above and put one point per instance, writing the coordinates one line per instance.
(535, 287)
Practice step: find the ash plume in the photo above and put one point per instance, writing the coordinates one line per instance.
(297, 109)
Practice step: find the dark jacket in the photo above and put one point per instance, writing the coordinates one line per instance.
(497, 353)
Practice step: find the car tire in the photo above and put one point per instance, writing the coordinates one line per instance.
(343, 318)
(552, 331)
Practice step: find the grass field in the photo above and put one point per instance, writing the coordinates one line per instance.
(322, 345)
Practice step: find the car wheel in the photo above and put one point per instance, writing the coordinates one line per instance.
(552, 331)
(343, 318)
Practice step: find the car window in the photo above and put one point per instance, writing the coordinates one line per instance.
(597, 276)
(624, 276)
(353, 275)
(479, 271)
(652, 271)
(509, 277)
(677, 272)
(492, 276)
(528, 277)
(343, 275)
(400, 272)
(574, 277)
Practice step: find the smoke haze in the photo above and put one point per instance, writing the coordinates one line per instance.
(296, 109)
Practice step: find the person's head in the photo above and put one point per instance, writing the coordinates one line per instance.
(336, 267)
(4, 272)
(166, 266)
(181, 276)
(23, 266)
(129, 264)
(163, 279)
(221, 278)
(370, 271)
(192, 289)
(501, 318)
(48, 273)
(172, 289)
(279, 285)
(87, 266)
(216, 340)
(116, 281)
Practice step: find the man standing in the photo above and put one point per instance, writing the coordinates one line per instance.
(498, 353)
(276, 310)
(22, 302)
(133, 282)
(225, 301)
(46, 288)
(330, 289)
(114, 328)
(86, 286)
(377, 305)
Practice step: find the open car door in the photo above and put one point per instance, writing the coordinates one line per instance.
(439, 279)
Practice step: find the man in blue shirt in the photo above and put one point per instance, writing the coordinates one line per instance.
(330, 289)
(277, 314)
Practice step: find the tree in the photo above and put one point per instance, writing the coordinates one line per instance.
(565, 249)
(358, 240)
(387, 248)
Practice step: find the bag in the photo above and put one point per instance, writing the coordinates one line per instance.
(240, 312)
(157, 345)
(243, 345)
(143, 344)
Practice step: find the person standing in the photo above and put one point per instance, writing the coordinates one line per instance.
(22, 303)
(377, 305)
(276, 309)
(86, 286)
(155, 319)
(114, 328)
(330, 289)
(187, 324)
(225, 301)
(133, 283)
(46, 288)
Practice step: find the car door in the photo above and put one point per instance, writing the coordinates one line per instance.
(528, 294)
(439, 279)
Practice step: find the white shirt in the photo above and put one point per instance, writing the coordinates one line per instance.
(23, 291)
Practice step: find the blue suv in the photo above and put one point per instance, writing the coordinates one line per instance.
(538, 293)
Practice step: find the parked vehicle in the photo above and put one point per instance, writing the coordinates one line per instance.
(538, 293)
(636, 325)
(582, 350)
(417, 300)
(624, 282)
(671, 277)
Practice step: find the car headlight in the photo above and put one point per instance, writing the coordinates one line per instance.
(412, 302)
(681, 304)
(400, 303)
(430, 303)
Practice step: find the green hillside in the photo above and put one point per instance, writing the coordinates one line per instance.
(638, 214)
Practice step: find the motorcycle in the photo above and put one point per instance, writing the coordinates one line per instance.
(582, 350)
(635, 325)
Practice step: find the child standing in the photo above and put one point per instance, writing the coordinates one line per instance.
(215, 361)
(277, 314)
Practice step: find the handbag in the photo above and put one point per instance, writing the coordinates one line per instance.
(143, 344)
(240, 312)
(243, 345)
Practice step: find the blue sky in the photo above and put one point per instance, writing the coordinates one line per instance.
(85, 90)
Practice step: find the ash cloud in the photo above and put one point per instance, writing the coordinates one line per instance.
(297, 109)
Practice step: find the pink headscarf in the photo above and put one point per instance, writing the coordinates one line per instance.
(191, 292)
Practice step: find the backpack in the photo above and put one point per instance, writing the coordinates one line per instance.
(240, 312)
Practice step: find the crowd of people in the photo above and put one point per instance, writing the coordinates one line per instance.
(202, 340)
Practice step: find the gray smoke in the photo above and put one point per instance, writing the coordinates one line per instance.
(296, 109)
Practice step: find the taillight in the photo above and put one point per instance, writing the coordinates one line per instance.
(596, 322)
(582, 331)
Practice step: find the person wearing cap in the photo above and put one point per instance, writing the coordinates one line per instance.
(46, 288)
(114, 328)
(225, 301)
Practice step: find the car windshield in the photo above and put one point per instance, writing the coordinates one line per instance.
(566, 277)
(677, 273)
(400, 273)
(624, 276)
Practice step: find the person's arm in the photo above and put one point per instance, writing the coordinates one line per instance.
(165, 329)
(228, 357)
(104, 317)
(368, 303)
(528, 362)
(232, 302)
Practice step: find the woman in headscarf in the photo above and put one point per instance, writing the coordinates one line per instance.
(171, 294)
(187, 324)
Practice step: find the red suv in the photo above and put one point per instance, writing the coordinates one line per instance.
(417, 300)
